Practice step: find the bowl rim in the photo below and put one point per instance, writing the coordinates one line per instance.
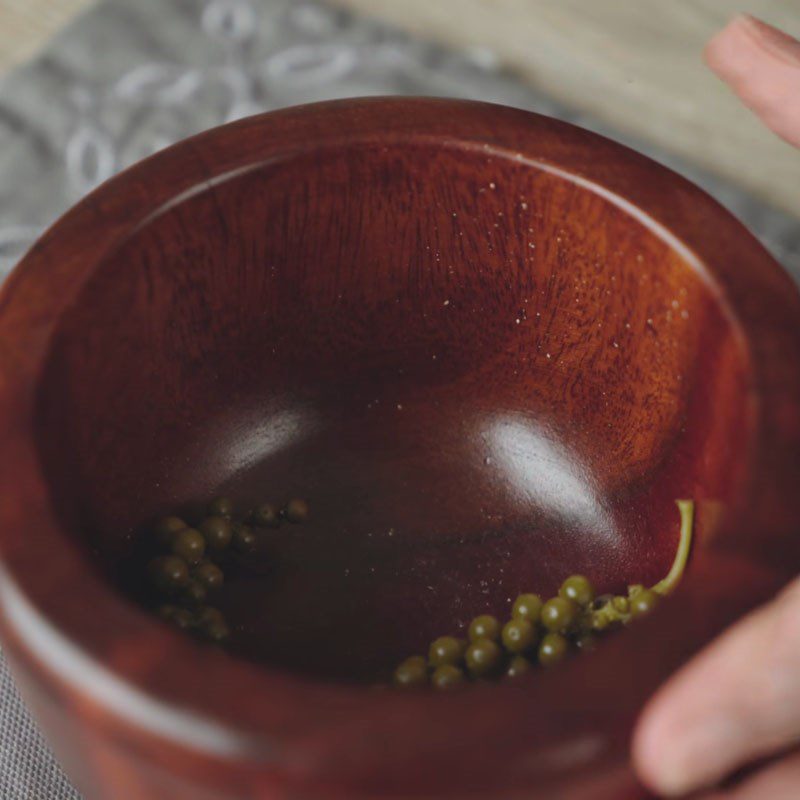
(282, 722)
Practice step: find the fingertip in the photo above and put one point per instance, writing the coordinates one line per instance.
(762, 65)
(651, 754)
(748, 40)
(720, 52)
(644, 754)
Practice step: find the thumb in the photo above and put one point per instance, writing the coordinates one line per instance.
(737, 701)
(762, 65)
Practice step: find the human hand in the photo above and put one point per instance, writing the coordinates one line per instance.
(762, 65)
(739, 700)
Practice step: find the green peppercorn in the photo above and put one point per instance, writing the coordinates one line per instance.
(194, 593)
(600, 621)
(482, 657)
(212, 623)
(208, 615)
(168, 573)
(208, 574)
(265, 516)
(296, 510)
(553, 648)
(484, 626)
(166, 528)
(621, 604)
(518, 665)
(217, 631)
(182, 619)
(447, 676)
(412, 673)
(643, 603)
(217, 532)
(578, 589)
(446, 650)
(559, 613)
(527, 606)
(166, 611)
(190, 545)
(586, 642)
(221, 507)
(244, 538)
(179, 617)
(518, 635)
(606, 611)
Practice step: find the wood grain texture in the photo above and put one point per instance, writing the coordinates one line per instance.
(508, 341)
(26, 25)
(636, 66)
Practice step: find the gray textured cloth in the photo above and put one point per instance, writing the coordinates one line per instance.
(131, 76)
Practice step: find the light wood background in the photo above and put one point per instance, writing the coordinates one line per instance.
(26, 25)
(635, 64)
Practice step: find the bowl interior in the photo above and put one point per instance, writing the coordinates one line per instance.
(483, 375)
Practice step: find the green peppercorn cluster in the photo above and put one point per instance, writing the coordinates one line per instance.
(539, 632)
(186, 572)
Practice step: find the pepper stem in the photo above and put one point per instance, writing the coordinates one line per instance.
(665, 586)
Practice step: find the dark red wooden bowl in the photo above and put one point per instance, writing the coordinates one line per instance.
(488, 347)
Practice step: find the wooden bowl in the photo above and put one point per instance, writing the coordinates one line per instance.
(489, 348)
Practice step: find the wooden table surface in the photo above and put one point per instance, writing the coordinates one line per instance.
(635, 65)
(26, 25)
